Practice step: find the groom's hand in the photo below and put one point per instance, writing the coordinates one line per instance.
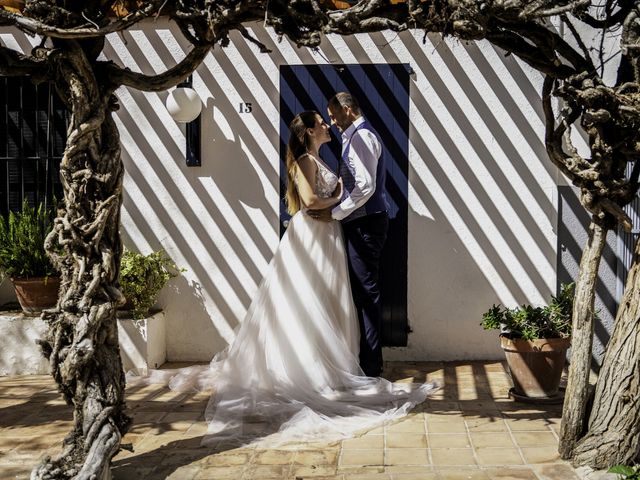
(323, 215)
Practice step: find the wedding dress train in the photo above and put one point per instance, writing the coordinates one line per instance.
(292, 373)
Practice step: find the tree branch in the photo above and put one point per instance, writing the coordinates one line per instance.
(550, 41)
(579, 41)
(15, 64)
(614, 19)
(539, 11)
(156, 83)
(33, 26)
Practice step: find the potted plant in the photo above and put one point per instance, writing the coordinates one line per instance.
(23, 258)
(141, 279)
(535, 341)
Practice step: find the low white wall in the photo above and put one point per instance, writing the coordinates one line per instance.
(482, 206)
(142, 344)
(19, 353)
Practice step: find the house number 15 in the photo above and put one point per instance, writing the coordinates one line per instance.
(244, 107)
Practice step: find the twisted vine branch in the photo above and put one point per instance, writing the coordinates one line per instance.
(82, 340)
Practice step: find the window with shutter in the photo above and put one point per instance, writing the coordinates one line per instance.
(33, 126)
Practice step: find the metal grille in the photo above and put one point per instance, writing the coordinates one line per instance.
(33, 124)
(627, 241)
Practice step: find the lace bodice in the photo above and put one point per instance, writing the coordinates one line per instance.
(326, 179)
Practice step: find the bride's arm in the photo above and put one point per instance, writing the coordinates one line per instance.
(306, 175)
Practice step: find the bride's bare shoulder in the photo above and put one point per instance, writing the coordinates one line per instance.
(306, 161)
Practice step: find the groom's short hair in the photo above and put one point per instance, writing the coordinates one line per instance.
(344, 99)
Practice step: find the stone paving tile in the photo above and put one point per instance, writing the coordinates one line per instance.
(462, 475)
(533, 455)
(441, 417)
(498, 456)
(406, 456)
(555, 472)
(229, 458)
(15, 471)
(169, 396)
(446, 440)
(527, 424)
(376, 431)
(413, 424)
(316, 457)
(439, 406)
(406, 440)
(256, 472)
(469, 430)
(211, 472)
(354, 470)
(329, 477)
(447, 427)
(491, 439)
(142, 393)
(273, 457)
(365, 442)
(399, 470)
(144, 418)
(416, 476)
(128, 472)
(452, 456)
(362, 458)
(198, 428)
(192, 405)
(368, 476)
(534, 439)
(511, 474)
(311, 471)
(486, 425)
(151, 406)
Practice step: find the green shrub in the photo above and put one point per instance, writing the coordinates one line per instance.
(142, 277)
(529, 323)
(627, 473)
(22, 238)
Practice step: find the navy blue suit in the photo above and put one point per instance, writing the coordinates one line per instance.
(365, 231)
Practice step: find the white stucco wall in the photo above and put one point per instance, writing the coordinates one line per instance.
(482, 206)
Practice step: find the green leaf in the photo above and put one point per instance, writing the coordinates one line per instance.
(22, 237)
(622, 470)
(143, 276)
(529, 322)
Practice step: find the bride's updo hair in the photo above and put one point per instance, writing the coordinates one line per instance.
(298, 145)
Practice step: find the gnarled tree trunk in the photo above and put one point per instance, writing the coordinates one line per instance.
(614, 425)
(576, 394)
(82, 340)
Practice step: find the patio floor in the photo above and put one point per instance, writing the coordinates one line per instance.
(469, 430)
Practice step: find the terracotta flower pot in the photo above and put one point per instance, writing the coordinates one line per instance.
(36, 294)
(536, 365)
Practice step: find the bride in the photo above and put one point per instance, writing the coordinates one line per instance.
(292, 371)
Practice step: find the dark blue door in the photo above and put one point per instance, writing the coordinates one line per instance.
(383, 93)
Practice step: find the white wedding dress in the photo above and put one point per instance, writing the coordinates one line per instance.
(292, 373)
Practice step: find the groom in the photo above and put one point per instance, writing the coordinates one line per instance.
(363, 213)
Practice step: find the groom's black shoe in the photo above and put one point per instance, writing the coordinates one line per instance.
(372, 372)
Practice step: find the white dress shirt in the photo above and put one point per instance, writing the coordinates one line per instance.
(362, 161)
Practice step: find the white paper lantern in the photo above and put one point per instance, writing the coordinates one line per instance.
(184, 104)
